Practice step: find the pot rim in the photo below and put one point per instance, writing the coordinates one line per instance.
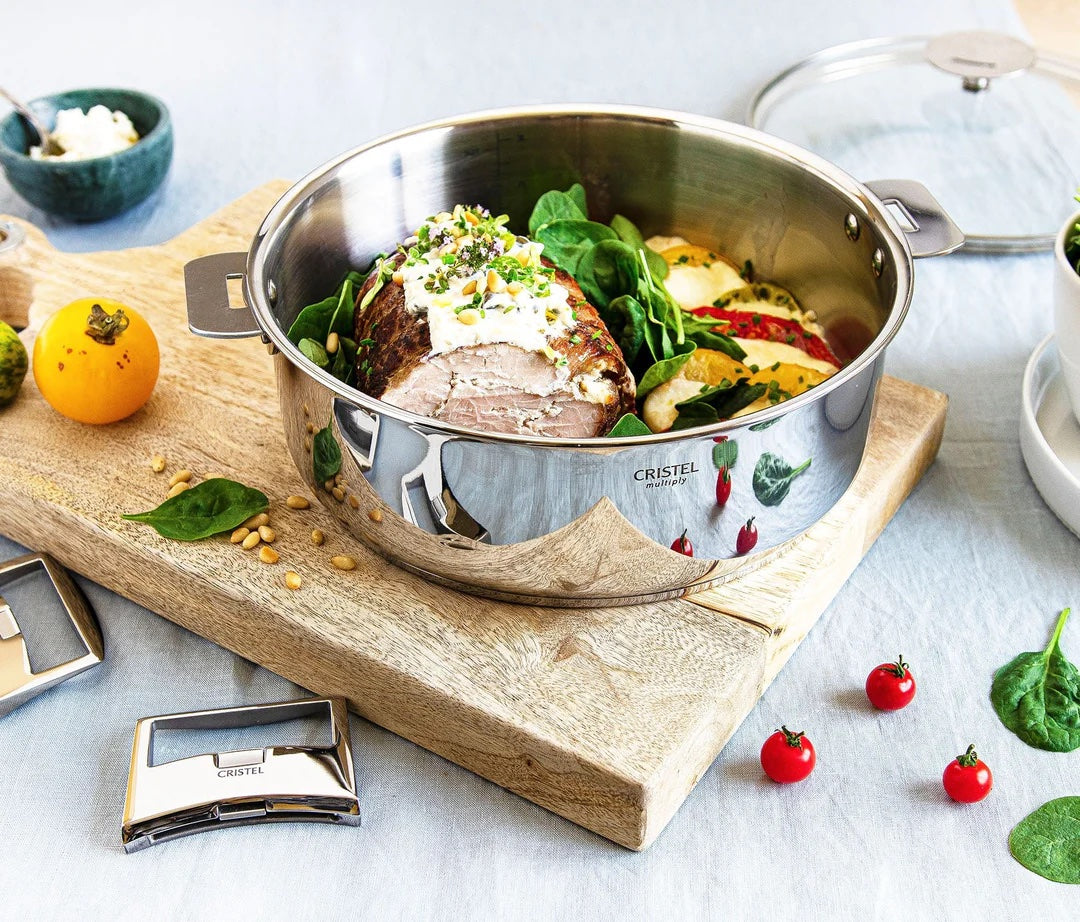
(861, 199)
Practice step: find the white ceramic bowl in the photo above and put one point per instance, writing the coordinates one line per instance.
(1067, 315)
(1050, 435)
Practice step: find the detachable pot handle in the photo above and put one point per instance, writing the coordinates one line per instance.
(928, 228)
(209, 312)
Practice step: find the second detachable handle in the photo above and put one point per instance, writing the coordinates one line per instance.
(931, 232)
(209, 314)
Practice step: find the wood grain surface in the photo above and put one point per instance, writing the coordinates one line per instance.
(606, 716)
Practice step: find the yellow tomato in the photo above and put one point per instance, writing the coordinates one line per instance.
(96, 361)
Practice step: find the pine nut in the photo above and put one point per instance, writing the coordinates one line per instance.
(292, 580)
(343, 562)
(310, 428)
(469, 287)
(256, 520)
(442, 217)
(268, 555)
(332, 343)
(307, 410)
(515, 288)
(214, 476)
(307, 443)
(469, 316)
(267, 534)
(157, 464)
(180, 477)
(239, 535)
(481, 284)
(338, 493)
(398, 278)
(178, 488)
(353, 501)
(471, 218)
(329, 485)
(375, 515)
(337, 480)
(495, 281)
(297, 502)
(250, 541)
(317, 537)
(523, 258)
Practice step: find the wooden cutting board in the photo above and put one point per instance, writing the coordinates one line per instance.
(607, 717)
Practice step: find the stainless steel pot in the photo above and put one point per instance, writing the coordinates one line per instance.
(587, 522)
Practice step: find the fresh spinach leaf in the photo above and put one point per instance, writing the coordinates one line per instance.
(208, 508)
(567, 240)
(314, 352)
(700, 330)
(773, 477)
(716, 403)
(629, 233)
(626, 322)
(557, 206)
(664, 370)
(614, 267)
(325, 455)
(628, 425)
(1047, 841)
(1037, 696)
(725, 454)
(332, 314)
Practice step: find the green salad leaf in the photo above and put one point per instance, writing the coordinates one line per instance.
(628, 425)
(314, 324)
(716, 403)
(208, 508)
(1037, 696)
(325, 455)
(664, 370)
(773, 477)
(1047, 841)
(557, 206)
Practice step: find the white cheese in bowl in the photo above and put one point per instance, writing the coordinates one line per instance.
(95, 133)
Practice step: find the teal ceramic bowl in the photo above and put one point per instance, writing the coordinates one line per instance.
(98, 188)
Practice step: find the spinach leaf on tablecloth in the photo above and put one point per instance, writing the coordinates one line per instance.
(1047, 841)
(1037, 696)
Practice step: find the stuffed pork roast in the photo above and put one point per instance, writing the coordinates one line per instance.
(469, 324)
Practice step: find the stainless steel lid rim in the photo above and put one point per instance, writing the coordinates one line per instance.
(870, 208)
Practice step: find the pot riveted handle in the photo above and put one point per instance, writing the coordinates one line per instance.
(209, 313)
(931, 232)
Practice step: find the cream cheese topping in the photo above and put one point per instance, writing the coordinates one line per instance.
(478, 283)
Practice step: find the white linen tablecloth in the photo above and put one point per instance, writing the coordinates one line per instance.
(972, 570)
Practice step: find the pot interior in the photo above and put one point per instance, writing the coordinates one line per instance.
(803, 223)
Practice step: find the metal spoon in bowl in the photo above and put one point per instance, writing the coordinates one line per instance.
(48, 144)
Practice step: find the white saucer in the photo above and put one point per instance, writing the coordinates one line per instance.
(1050, 435)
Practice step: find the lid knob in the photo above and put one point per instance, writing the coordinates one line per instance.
(978, 57)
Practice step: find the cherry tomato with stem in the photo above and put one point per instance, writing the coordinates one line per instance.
(747, 538)
(682, 545)
(787, 757)
(967, 778)
(891, 686)
(723, 487)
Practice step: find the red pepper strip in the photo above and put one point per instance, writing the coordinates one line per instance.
(751, 325)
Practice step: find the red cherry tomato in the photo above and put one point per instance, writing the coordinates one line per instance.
(747, 538)
(682, 545)
(723, 486)
(890, 686)
(967, 778)
(787, 757)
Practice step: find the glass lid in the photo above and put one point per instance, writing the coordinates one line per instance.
(989, 124)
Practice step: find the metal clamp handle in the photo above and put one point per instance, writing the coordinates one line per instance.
(932, 231)
(206, 284)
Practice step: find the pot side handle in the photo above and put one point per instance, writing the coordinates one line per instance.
(928, 228)
(209, 312)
